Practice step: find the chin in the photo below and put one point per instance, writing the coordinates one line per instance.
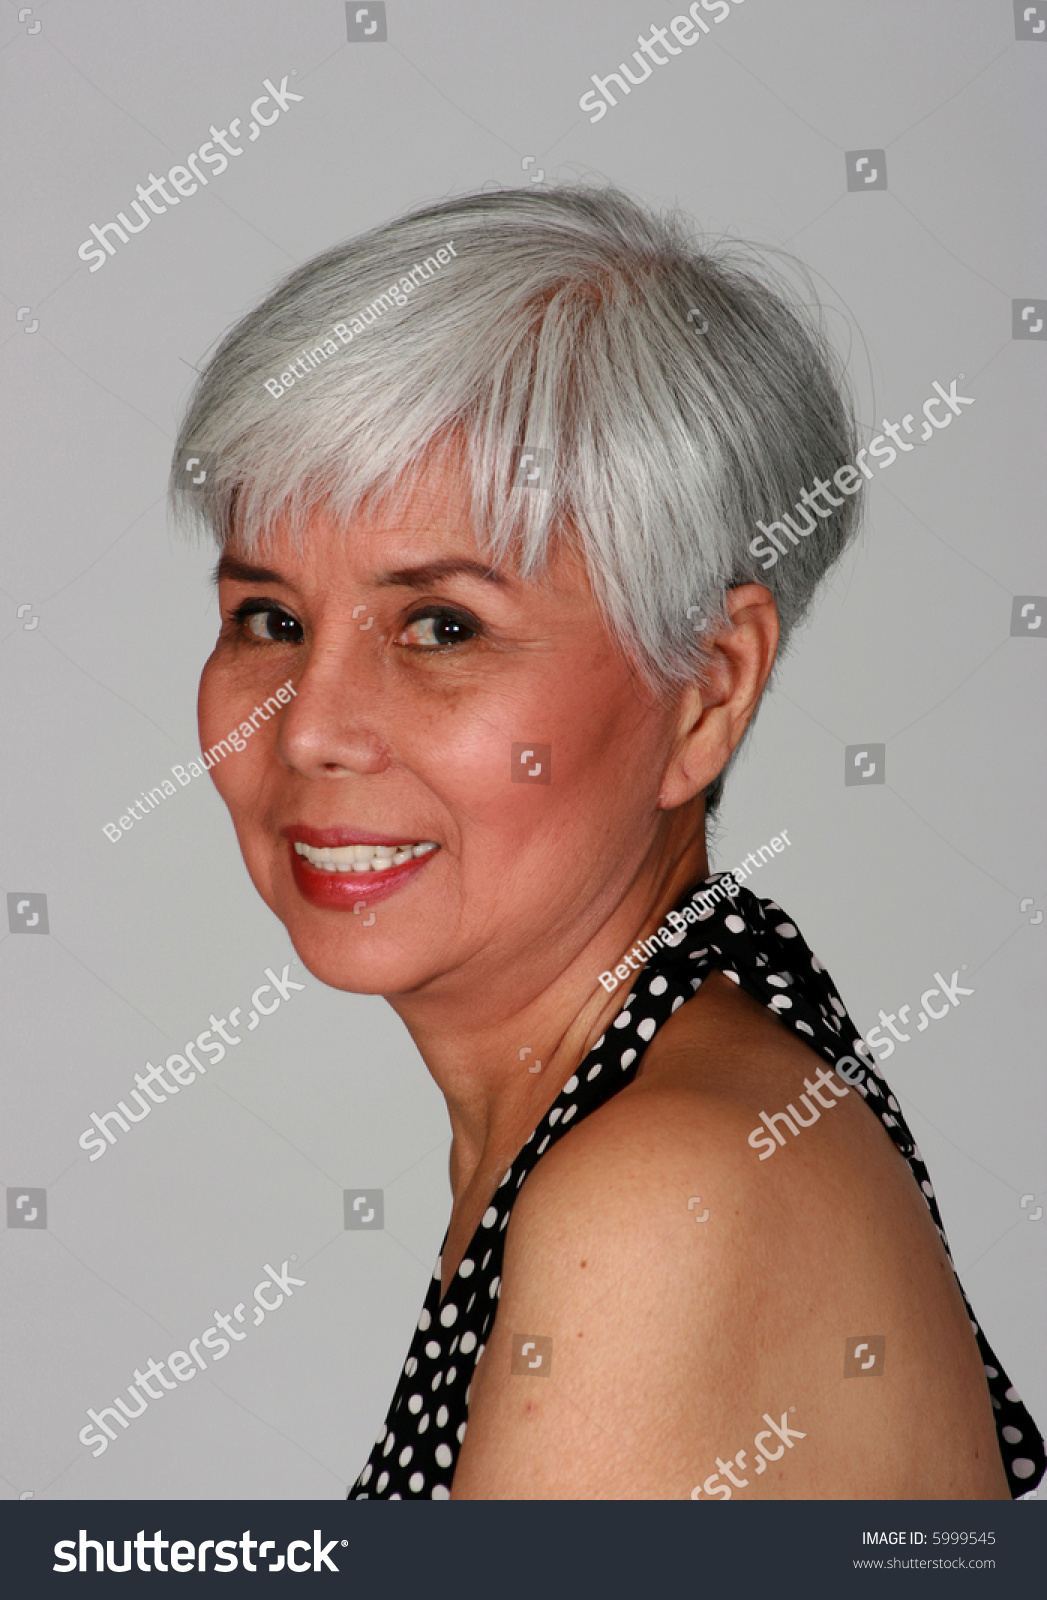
(364, 962)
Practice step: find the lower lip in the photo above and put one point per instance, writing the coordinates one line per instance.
(345, 891)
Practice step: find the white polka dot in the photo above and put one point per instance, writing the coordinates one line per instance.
(777, 981)
(490, 1217)
(678, 1002)
(442, 1416)
(786, 930)
(390, 1441)
(628, 1057)
(461, 1432)
(925, 1186)
(623, 1019)
(365, 1476)
(735, 923)
(449, 1316)
(505, 1180)
(423, 1423)
(657, 985)
(467, 1268)
(646, 1029)
(405, 1455)
(424, 1320)
(1022, 1467)
(381, 1436)
(415, 1404)
(571, 1085)
(440, 1492)
(432, 1349)
(991, 1372)
(437, 1381)
(568, 1114)
(892, 1102)
(1011, 1394)
(452, 1373)
(543, 1147)
(468, 1343)
(781, 1002)
(494, 1286)
(410, 1366)
(383, 1479)
(416, 1483)
(554, 1116)
(804, 1027)
(443, 1455)
(1012, 1435)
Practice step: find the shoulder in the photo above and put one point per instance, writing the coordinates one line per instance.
(686, 1141)
(684, 1289)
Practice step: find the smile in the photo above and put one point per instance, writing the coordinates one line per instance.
(369, 858)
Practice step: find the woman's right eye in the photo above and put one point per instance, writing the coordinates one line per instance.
(268, 624)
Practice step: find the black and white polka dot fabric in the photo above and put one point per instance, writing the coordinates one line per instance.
(752, 942)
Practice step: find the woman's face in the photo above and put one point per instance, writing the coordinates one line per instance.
(436, 705)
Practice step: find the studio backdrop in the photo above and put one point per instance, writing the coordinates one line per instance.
(291, 1200)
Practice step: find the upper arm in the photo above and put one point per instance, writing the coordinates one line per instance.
(680, 1343)
(606, 1259)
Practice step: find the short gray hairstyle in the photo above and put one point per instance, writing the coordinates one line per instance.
(676, 395)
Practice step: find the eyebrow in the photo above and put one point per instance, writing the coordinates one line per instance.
(430, 572)
(243, 572)
(420, 577)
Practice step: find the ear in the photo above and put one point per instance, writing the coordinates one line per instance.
(714, 714)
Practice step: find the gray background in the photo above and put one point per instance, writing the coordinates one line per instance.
(910, 647)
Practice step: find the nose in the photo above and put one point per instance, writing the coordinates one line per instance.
(330, 729)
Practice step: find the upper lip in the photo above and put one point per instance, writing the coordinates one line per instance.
(334, 838)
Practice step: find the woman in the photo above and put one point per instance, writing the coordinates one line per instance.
(484, 483)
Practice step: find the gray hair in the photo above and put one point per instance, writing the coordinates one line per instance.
(672, 397)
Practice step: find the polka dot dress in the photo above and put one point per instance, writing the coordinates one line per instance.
(753, 943)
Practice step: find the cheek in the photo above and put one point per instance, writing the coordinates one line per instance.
(552, 761)
(221, 707)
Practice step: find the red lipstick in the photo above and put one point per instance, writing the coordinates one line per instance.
(347, 891)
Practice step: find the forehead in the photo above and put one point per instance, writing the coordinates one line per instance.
(422, 532)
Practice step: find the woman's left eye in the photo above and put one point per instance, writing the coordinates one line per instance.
(438, 630)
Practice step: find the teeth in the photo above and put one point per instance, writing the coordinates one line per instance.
(361, 857)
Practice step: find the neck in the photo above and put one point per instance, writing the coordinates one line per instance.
(501, 1060)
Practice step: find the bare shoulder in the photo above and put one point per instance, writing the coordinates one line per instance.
(692, 1301)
